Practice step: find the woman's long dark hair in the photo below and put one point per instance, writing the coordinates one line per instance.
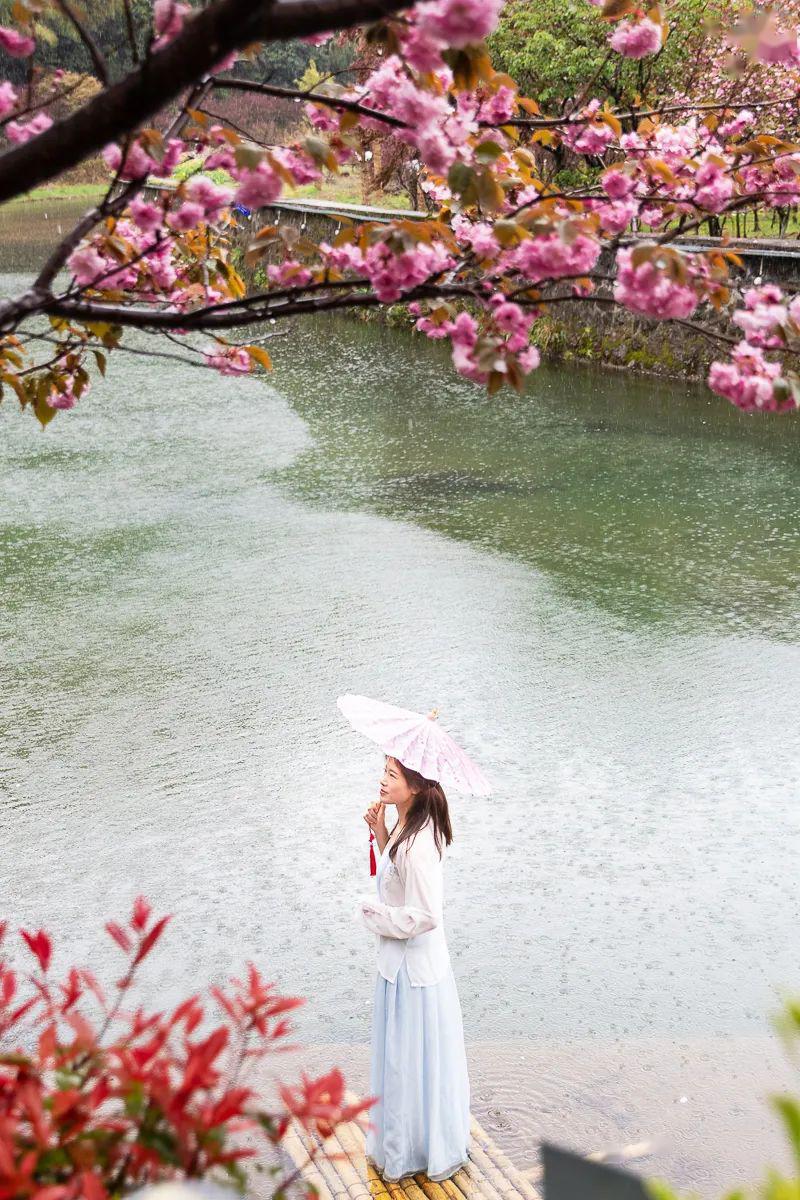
(429, 802)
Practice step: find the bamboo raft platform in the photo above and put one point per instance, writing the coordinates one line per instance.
(340, 1171)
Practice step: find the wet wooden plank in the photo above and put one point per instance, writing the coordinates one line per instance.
(340, 1170)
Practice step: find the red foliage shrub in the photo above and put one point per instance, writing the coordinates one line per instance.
(93, 1106)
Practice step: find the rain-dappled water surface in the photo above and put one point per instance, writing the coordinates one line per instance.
(596, 584)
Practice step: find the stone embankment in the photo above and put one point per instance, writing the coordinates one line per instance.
(579, 332)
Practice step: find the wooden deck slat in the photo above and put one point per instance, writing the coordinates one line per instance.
(489, 1174)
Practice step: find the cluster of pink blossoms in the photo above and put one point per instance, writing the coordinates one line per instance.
(63, 396)
(478, 354)
(593, 136)
(649, 289)
(554, 255)
(17, 44)
(636, 39)
(391, 272)
(748, 381)
(154, 272)
(233, 360)
(766, 315)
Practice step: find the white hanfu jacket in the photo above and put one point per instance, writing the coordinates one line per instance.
(408, 916)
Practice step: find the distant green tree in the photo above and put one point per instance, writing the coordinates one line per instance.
(554, 48)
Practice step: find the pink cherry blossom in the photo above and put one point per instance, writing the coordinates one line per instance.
(617, 215)
(302, 166)
(553, 255)
(211, 198)
(617, 184)
(748, 381)
(715, 186)
(529, 359)
(500, 107)
(15, 43)
(168, 18)
(589, 135)
(86, 264)
(8, 98)
(421, 51)
(148, 216)
(393, 274)
(290, 273)
(636, 39)
(234, 360)
(346, 257)
(478, 236)
(458, 22)
(737, 124)
(258, 187)
(776, 44)
(23, 131)
(647, 289)
(763, 316)
(188, 216)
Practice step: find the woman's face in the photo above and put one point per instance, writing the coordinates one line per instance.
(394, 789)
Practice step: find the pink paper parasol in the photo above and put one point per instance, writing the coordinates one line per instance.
(417, 742)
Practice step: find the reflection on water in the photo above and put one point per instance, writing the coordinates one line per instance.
(29, 229)
(595, 583)
(659, 503)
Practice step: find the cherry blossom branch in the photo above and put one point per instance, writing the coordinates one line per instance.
(632, 114)
(339, 103)
(213, 32)
(110, 204)
(202, 319)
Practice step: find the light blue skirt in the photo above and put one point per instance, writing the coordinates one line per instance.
(418, 1069)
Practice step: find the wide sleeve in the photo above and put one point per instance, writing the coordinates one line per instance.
(423, 896)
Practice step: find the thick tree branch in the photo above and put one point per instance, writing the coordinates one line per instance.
(216, 31)
(212, 321)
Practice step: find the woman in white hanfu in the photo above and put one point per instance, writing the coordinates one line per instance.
(418, 1066)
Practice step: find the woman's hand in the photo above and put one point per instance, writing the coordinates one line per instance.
(375, 816)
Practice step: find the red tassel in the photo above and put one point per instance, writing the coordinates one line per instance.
(373, 866)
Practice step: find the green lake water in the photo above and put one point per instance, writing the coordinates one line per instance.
(596, 583)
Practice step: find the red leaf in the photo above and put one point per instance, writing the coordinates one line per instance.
(71, 990)
(63, 1101)
(47, 1043)
(119, 935)
(141, 914)
(8, 986)
(40, 946)
(93, 986)
(231, 1104)
(226, 1003)
(92, 1187)
(150, 940)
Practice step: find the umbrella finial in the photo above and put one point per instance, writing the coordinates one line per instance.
(433, 714)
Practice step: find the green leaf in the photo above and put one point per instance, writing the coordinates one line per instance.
(43, 411)
(789, 1110)
(461, 179)
(488, 151)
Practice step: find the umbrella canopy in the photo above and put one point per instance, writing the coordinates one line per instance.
(417, 742)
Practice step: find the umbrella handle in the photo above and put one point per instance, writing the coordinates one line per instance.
(373, 866)
(433, 714)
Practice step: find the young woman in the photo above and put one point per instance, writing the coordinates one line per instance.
(418, 1066)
